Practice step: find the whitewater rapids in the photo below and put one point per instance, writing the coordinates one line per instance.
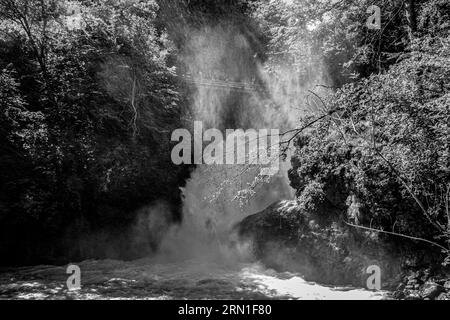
(150, 280)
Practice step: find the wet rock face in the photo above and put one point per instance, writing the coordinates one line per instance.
(431, 290)
(322, 250)
(426, 283)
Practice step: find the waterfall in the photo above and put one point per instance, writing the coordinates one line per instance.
(232, 90)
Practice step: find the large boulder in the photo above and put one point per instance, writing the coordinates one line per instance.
(322, 250)
(431, 290)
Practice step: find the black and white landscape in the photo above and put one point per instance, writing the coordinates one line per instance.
(226, 149)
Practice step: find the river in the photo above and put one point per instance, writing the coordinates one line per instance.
(193, 262)
(151, 279)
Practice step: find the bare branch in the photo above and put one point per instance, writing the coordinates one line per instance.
(398, 235)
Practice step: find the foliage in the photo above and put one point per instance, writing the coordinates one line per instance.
(86, 104)
(381, 156)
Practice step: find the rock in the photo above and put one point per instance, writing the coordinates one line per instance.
(317, 245)
(425, 276)
(443, 296)
(447, 285)
(400, 287)
(413, 295)
(431, 290)
(412, 278)
(399, 295)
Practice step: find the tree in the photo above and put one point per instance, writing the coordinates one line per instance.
(381, 155)
(87, 111)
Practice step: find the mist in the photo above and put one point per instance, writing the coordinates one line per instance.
(233, 88)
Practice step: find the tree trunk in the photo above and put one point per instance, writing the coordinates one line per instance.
(411, 18)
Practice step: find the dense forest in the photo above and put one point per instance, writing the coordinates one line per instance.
(85, 116)
(92, 90)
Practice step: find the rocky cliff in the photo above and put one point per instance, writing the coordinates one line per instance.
(328, 251)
